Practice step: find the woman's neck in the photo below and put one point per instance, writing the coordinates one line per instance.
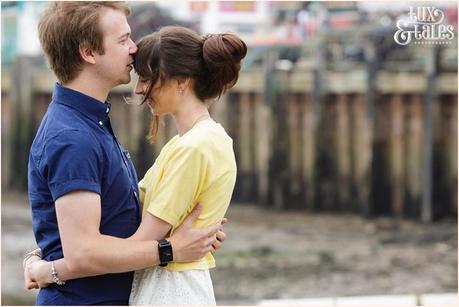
(189, 114)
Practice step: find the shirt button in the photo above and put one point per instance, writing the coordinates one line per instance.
(101, 123)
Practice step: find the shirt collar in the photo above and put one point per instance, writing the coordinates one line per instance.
(87, 105)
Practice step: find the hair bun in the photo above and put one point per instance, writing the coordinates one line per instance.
(222, 54)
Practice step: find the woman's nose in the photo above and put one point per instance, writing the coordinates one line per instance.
(139, 89)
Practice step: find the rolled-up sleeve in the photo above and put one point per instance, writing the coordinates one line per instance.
(72, 161)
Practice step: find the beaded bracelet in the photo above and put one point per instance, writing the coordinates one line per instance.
(55, 277)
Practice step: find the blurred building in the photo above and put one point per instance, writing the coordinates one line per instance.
(19, 29)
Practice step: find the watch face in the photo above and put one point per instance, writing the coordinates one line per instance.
(168, 254)
(165, 251)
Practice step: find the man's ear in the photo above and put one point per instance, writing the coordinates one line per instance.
(87, 54)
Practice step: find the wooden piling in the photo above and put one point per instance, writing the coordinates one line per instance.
(325, 193)
(6, 123)
(361, 154)
(290, 154)
(342, 152)
(308, 149)
(294, 152)
(451, 139)
(22, 122)
(262, 142)
(413, 155)
(447, 151)
(396, 155)
(244, 157)
(380, 178)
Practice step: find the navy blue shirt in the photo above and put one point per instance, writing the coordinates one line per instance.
(75, 149)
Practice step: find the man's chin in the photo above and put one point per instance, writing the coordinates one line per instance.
(122, 82)
(127, 80)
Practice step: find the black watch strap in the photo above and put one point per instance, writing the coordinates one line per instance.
(165, 252)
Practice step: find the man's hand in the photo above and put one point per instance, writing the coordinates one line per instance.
(189, 244)
(39, 273)
(29, 282)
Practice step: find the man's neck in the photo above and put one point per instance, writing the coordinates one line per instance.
(90, 87)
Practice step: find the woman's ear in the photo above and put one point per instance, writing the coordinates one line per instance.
(183, 84)
(87, 54)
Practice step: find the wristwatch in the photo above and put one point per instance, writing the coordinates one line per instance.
(165, 252)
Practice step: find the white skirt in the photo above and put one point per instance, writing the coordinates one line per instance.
(158, 286)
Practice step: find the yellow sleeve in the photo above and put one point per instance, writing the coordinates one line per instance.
(141, 191)
(179, 187)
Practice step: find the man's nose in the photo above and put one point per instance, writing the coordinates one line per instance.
(133, 47)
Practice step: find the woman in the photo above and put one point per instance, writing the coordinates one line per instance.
(181, 73)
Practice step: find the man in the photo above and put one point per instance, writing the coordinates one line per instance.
(82, 184)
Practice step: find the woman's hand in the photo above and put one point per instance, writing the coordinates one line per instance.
(39, 273)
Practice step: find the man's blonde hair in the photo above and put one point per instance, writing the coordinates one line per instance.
(67, 25)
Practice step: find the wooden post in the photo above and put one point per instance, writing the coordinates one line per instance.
(245, 163)
(361, 153)
(262, 141)
(7, 120)
(452, 144)
(22, 129)
(279, 170)
(342, 153)
(413, 156)
(372, 65)
(294, 159)
(447, 139)
(396, 155)
(325, 169)
(380, 165)
(317, 101)
(431, 72)
(308, 147)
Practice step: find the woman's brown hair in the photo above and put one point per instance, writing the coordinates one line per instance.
(212, 61)
(67, 25)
